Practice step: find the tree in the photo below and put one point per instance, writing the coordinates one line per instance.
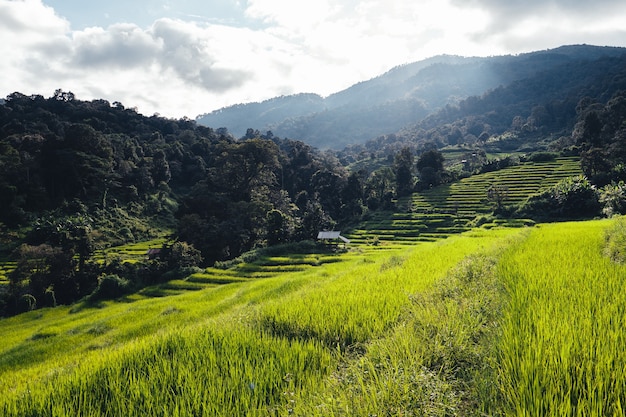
(403, 170)
(595, 163)
(279, 227)
(497, 194)
(314, 219)
(327, 186)
(352, 197)
(431, 158)
(44, 272)
(241, 167)
(160, 168)
(430, 167)
(183, 255)
(81, 165)
(379, 189)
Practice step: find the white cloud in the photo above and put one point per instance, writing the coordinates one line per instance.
(524, 25)
(179, 68)
(121, 45)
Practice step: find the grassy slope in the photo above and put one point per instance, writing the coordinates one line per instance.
(502, 321)
(456, 327)
(370, 334)
(302, 324)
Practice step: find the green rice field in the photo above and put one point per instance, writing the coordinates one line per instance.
(491, 321)
(448, 209)
(501, 322)
(131, 252)
(561, 349)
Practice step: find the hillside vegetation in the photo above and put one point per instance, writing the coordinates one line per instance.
(491, 91)
(78, 178)
(462, 326)
(151, 266)
(453, 208)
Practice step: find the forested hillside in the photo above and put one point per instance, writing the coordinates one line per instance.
(79, 176)
(541, 111)
(173, 268)
(410, 93)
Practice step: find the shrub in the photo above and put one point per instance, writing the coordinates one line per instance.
(571, 198)
(109, 287)
(613, 199)
(542, 156)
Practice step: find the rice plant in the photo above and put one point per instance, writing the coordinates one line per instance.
(561, 351)
(511, 322)
(436, 359)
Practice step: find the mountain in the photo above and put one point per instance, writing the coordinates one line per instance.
(400, 97)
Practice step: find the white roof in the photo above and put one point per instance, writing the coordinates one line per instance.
(332, 235)
(328, 235)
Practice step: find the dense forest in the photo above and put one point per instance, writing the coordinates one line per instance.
(77, 176)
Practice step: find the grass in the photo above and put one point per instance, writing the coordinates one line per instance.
(432, 361)
(255, 347)
(219, 370)
(500, 322)
(494, 321)
(562, 346)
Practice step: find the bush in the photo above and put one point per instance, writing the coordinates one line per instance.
(571, 198)
(542, 156)
(110, 287)
(613, 199)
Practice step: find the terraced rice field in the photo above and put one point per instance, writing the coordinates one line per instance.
(448, 209)
(426, 216)
(264, 267)
(132, 252)
(5, 269)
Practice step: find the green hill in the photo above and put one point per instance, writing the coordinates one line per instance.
(454, 327)
(425, 216)
(443, 88)
(453, 208)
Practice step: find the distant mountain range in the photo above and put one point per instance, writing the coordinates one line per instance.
(401, 97)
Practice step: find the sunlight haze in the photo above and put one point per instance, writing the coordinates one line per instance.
(185, 58)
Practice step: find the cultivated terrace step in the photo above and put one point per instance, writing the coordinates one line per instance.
(441, 211)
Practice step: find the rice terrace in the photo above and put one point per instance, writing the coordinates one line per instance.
(490, 321)
(446, 239)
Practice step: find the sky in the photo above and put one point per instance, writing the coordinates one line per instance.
(183, 58)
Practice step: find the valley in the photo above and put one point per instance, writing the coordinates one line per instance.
(153, 266)
(430, 323)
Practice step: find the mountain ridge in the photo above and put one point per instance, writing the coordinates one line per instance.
(402, 96)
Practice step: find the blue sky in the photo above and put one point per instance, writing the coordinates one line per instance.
(188, 57)
(83, 14)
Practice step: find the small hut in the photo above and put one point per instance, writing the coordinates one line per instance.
(332, 236)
